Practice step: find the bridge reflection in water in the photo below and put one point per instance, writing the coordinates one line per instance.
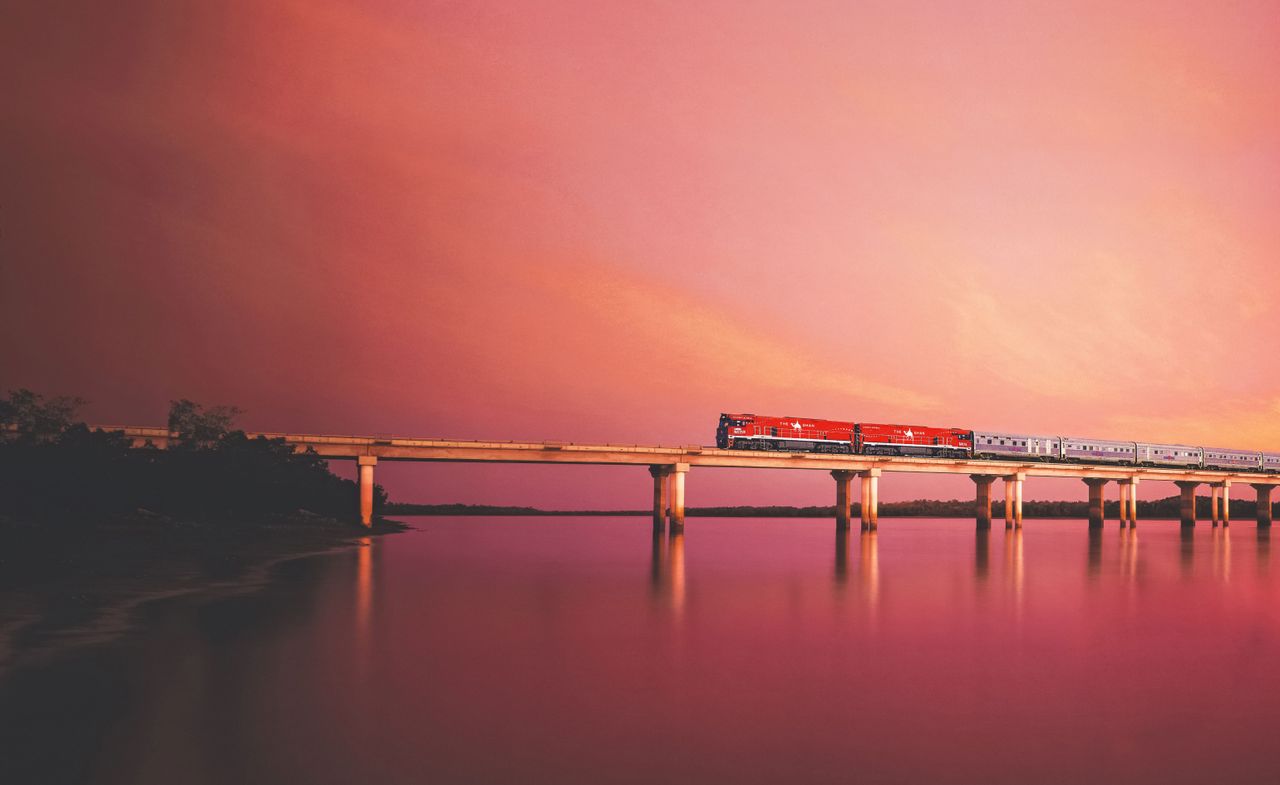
(364, 606)
(1107, 557)
(869, 564)
(1263, 550)
(982, 554)
(667, 574)
(1222, 554)
(667, 570)
(1129, 553)
(1013, 564)
(842, 556)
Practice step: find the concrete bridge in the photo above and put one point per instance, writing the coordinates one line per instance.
(668, 467)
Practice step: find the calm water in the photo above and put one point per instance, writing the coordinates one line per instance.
(494, 650)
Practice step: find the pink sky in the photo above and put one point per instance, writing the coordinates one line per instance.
(610, 222)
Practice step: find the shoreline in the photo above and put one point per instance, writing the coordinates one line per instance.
(1159, 509)
(66, 589)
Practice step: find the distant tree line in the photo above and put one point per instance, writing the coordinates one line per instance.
(54, 468)
(919, 508)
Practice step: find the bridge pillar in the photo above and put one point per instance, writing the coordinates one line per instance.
(1008, 502)
(1187, 511)
(364, 469)
(1220, 502)
(1226, 502)
(1014, 500)
(1264, 504)
(1133, 502)
(983, 501)
(1125, 492)
(1097, 500)
(844, 479)
(678, 472)
(1129, 502)
(865, 505)
(1017, 489)
(870, 499)
(1124, 503)
(661, 477)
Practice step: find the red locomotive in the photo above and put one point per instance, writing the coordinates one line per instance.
(797, 434)
(788, 434)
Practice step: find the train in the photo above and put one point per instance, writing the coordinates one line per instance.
(801, 434)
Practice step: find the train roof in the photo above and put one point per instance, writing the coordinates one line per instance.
(1168, 444)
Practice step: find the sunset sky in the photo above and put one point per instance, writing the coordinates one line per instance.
(612, 221)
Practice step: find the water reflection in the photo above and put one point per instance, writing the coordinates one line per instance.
(1095, 553)
(658, 561)
(982, 554)
(842, 556)
(869, 566)
(364, 603)
(1264, 549)
(1222, 554)
(676, 551)
(246, 688)
(667, 570)
(1129, 553)
(1013, 563)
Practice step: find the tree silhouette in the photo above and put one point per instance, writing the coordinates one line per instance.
(33, 418)
(197, 426)
(57, 470)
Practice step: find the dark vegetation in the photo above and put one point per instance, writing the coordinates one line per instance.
(54, 470)
(91, 526)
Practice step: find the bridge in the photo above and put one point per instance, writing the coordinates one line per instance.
(668, 467)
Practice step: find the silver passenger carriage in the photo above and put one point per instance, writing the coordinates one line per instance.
(1082, 450)
(990, 444)
(1222, 458)
(1181, 455)
(1271, 462)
